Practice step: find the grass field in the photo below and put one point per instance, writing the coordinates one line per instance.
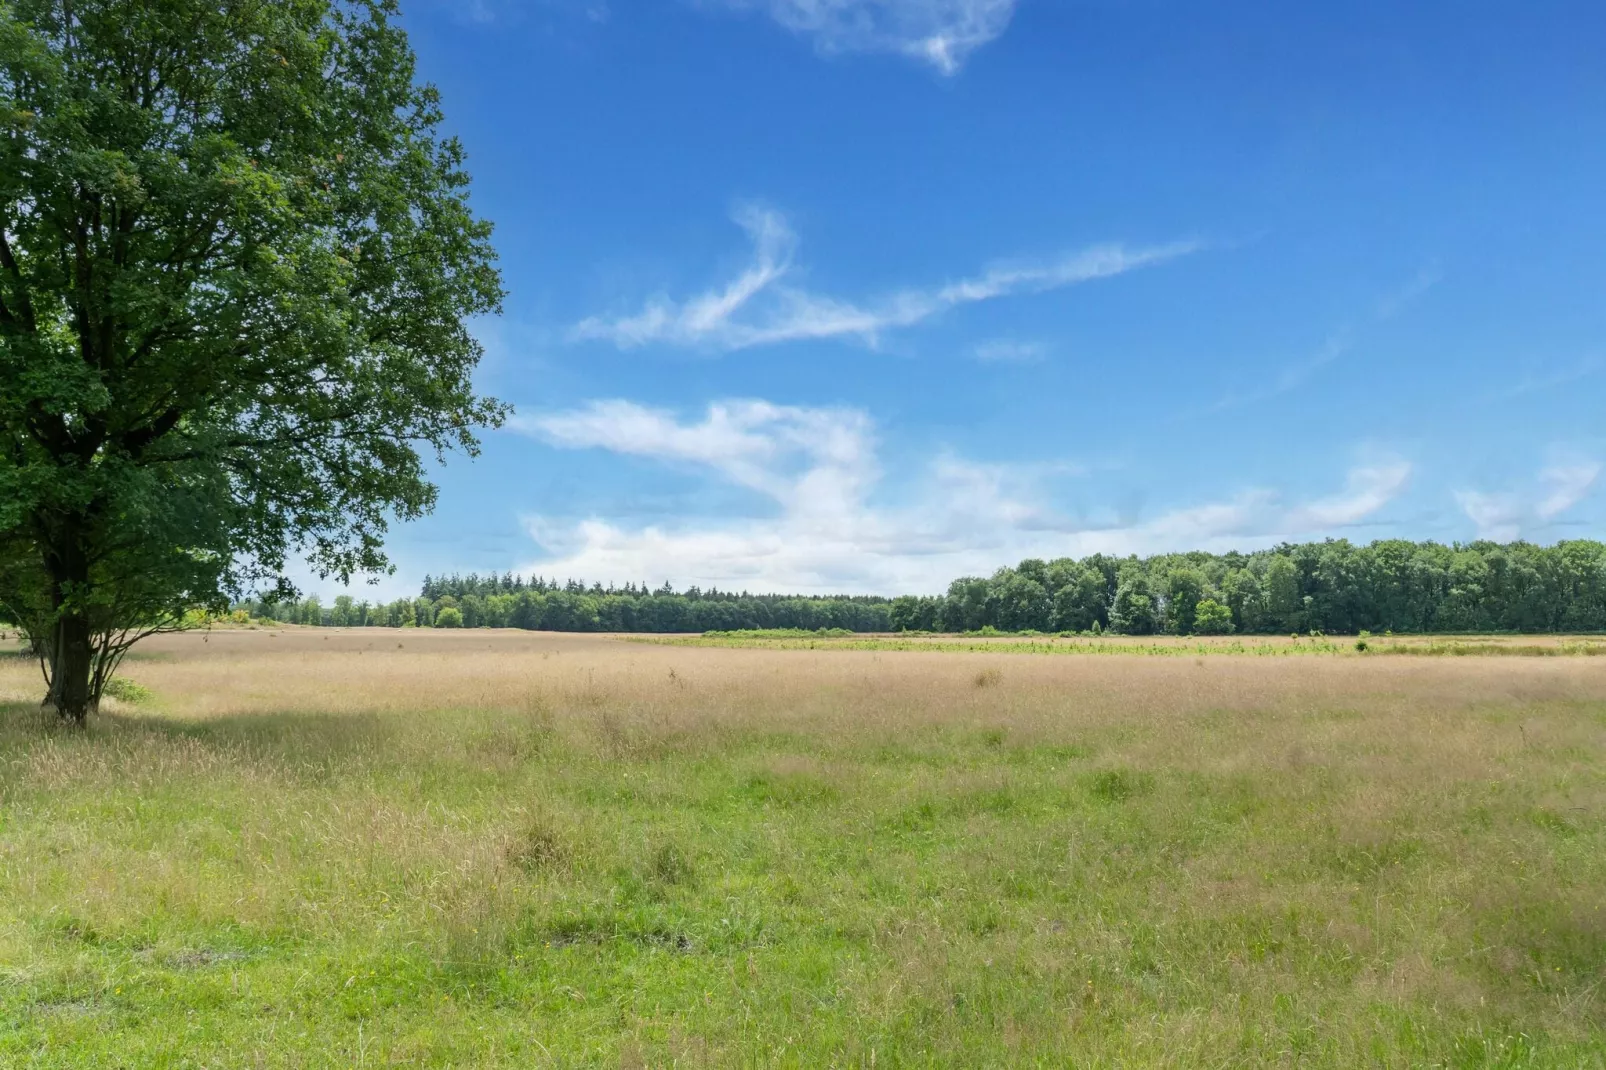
(1153, 646)
(367, 848)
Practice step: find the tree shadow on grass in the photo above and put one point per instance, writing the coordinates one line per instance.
(298, 736)
(288, 733)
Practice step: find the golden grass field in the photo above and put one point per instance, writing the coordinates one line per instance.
(374, 847)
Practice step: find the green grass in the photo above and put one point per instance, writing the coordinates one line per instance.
(1160, 646)
(598, 880)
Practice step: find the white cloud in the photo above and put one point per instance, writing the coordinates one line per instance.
(1504, 517)
(1294, 374)
(760, 307)
(1566, 485)
(1426, 279)
(942, 33)
(1291, 376)
(808, 460)
(1009, 351)
(1533, 384)
(486, 12)
(1366, 490)
(818, 468)
(1498, 516)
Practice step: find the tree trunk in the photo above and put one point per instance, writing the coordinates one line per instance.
(70, 681)
(72, 657)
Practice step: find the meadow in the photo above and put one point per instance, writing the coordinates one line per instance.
(370, 847)
(1459, 645)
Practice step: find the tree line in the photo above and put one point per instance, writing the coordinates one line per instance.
(1332, 587)
(509, 601)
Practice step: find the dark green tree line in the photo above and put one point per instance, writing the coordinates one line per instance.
(1333, 586)
(512, 602)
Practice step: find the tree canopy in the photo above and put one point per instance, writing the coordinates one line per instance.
(237, 266)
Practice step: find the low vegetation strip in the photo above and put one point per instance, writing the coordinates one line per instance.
(1420, 646)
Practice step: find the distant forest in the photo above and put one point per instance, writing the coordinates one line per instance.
(1333, 587)
(509, 601)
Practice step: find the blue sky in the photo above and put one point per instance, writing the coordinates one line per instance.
(863, 295)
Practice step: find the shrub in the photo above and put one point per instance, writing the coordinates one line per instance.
(123, 689)
(450, 617)
(1212, 618)
(783, 633)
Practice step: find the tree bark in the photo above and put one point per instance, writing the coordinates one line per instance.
(70, 681)
(72, 657)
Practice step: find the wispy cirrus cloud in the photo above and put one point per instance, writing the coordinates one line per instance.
(942, 33)
(1564, 486)
(1498, 517)
(1009, 351)
(1503, 516)
(1337, 343)
(760, 306)
(487, 12)
(810, 460)
(1292, 376)
(1535, 383)
(1426, 278)
(819, 470)
(1367, 489)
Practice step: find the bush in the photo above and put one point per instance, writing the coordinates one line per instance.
(123, 689)
(450, 617)
(1212, 618)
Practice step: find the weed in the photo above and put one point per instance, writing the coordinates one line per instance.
(540, 845)
(670, 865)
(1118, 785)
(788, 787)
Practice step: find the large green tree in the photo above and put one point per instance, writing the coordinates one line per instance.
(1133, 610)
(237, 262)
(1184, 589)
